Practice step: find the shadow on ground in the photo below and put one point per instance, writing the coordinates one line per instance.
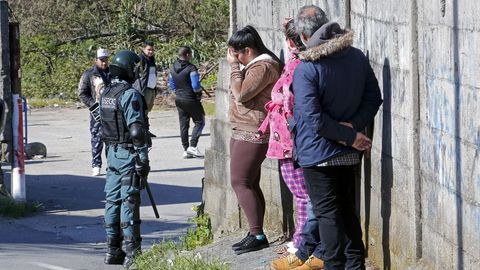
(63, 191)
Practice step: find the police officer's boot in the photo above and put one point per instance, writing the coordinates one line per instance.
(115, 254)
(133, 248)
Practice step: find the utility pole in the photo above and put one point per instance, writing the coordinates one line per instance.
(18, 161)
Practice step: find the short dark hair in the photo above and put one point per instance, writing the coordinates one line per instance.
(184, 50)
(309, 19)
(148, 43)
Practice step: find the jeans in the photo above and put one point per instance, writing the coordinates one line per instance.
(122, 199)
(332, 192)
(310, 243)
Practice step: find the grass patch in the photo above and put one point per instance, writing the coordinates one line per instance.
(11, 208)
(51, 102)
(209, 107)
(172, 256)
(179, 256)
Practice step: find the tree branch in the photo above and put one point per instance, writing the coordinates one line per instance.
(147, 21)
(80, 38)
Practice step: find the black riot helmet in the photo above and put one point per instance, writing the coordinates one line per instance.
(125, 65)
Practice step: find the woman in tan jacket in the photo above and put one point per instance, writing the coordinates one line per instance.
(254, 71)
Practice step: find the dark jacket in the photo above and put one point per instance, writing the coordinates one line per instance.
(334, 83)
(91, 85)
(184, 80)
(145, 65)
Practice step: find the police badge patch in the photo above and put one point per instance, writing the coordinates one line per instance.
(136, 105)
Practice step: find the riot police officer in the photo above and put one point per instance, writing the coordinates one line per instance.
(122, 115)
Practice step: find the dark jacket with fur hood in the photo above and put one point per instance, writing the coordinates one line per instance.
(334, 83)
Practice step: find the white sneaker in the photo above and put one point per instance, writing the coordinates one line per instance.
(194, 151)
(95, 171)
(187, 155)
(292, 250)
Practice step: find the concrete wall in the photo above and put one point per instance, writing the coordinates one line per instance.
(420, 188)
(449, 36)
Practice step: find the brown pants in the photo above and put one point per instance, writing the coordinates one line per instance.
(245, 164)
(149, 95)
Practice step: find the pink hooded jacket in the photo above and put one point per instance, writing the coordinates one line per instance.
(279, 109)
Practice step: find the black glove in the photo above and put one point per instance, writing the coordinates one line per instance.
(148, 139)
(95, 111)
(142, 168)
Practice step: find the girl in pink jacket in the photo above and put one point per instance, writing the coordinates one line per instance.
(279, 109)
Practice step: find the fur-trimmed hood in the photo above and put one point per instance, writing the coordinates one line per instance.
(327, 40)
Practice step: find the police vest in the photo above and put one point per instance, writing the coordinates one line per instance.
(113, 126)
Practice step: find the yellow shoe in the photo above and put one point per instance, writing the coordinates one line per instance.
(287, 263)
(313, 263)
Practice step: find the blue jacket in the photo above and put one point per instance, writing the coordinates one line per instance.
(334, 83)
(184, 80)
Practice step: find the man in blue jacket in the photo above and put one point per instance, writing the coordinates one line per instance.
(336, 96)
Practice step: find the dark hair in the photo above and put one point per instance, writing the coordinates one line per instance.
(148, 43)
(290, 32)
(249, 37)
(184, 50)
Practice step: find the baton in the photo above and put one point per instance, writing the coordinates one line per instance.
(152, 201)
(147, 187)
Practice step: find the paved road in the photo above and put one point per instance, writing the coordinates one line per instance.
(69, 233)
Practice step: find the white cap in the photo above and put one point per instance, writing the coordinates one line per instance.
(102, 53)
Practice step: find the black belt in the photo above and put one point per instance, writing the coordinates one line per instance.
(124, 145)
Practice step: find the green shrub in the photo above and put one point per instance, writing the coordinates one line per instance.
(59, 42)
(210, 80)
(202, 234)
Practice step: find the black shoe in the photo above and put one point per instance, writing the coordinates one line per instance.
(252, 244)
(114, 257)
(114, 254)
(239, 244)
(133, 248)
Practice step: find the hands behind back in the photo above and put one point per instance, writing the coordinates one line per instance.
(362, 142)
